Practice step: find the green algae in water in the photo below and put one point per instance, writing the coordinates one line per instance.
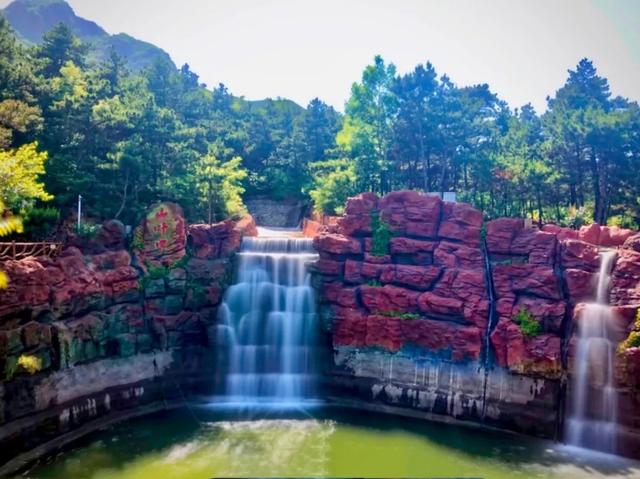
(331, 444)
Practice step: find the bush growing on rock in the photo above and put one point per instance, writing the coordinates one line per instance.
(381, 235)
(527, 323)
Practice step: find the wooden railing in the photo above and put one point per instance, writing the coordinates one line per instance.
(15, 250)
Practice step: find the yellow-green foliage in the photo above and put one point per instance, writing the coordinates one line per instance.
(7, 226)
(220, 186)
(20, 171)
(633, 340)
(31, 364)
(528, 324)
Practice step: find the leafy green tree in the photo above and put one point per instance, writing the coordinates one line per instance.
(367, 133)
(334, 182)
(20, 172)
(220, 186)
(59, 47)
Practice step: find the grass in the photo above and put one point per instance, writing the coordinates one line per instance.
(527, 323)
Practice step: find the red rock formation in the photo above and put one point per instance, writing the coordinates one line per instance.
(435, 267)
(388, 299)
(161, 238)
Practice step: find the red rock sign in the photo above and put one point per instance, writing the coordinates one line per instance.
(160, 240)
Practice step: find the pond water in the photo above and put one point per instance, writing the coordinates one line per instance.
(206, 443)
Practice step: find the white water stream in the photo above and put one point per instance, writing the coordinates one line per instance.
(592, 423)
(270, 315)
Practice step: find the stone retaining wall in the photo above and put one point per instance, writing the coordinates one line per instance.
(415, 326)
(110, 328)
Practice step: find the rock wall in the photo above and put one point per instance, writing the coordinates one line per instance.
(287, 213)
(431, 323)
(111, 330)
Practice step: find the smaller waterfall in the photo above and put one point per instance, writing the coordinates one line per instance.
(269, 314)
(592, 423)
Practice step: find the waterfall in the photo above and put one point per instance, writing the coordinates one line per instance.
(592, 423)
(270, 316)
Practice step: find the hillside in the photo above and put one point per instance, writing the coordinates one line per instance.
(31, 19)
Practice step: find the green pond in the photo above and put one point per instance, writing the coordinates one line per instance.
(206, 443)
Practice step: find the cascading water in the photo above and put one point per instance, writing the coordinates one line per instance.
(592, 423)
(270, 317)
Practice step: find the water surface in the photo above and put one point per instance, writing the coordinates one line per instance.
(317, 443)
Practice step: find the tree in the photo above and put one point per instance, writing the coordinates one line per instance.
(20, 172)
(59, 47)
(334, 182)
(220, 185)
(368, 127)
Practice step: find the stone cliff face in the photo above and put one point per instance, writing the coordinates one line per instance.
(434, 322)
(104, 324)
(431, 311)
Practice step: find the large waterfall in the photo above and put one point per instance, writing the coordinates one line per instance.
(592, 423)
(270, 317)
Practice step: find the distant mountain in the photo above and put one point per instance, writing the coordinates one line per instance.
(31, 19)
(279, 105)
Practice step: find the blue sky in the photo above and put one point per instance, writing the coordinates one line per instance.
(300, 49)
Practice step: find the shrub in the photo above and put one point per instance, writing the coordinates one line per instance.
(381, 235)
(30, 364)
(41, 222)
(401, 315)
(633, 340)
(88, 231)
(528, 324)
(577, 217)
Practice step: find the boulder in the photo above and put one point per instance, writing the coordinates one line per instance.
(550, 314)
(354, 225)
(614, 236)
(109, 261)
(389, 299)
(539, 246)
(590, 234)
(625, 278)
(111, 236)
(161, 238)
(384, 332)
(579, 255)
(501, 232)
(535, 356)
(246, 226)
(454, 255)
(526, 279)
(363, 204)
(560, 232)
(433, 304)
(338, 294)
(337, 244)
(201, 269)
(444, 339)
(28, 287)
(412, 213)
(400, 245)
(416, 277)
(461, 222)
(632, 243)
(350, 327)
(330, 267)
(580, 284)
(35, 334)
